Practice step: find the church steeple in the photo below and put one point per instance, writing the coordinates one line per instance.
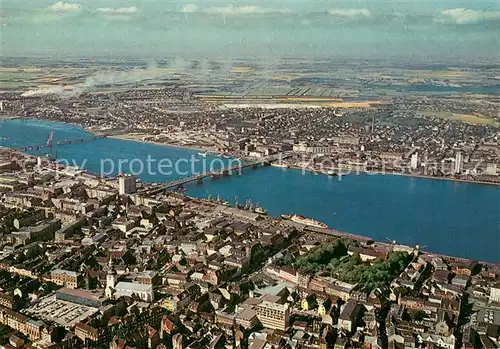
(111, 269)
(111, 278)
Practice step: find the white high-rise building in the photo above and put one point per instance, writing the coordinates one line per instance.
(273, 315)
(126, 184)
(459, 162)
(414, 160)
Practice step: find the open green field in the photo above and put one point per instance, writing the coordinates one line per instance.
(468, 118)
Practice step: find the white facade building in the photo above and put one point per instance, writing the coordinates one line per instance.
(459, 162)
(495, 293)
(143, 291)
(414, 161)
(126, 184)
(491, 169)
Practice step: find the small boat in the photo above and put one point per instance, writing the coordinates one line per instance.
(226, 203)
(203, 154)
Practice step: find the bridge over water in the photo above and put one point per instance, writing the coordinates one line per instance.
(223, 172)
(50, 144)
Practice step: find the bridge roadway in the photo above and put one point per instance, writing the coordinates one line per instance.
(227, 171)
(59, 142)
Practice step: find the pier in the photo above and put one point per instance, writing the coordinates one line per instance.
(224, 172)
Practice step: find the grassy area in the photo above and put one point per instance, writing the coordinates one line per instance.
(468, 118)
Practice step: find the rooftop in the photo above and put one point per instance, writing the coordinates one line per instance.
(274, 306)
(64, 272)
(130, 286)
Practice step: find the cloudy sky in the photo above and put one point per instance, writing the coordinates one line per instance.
(414, 30)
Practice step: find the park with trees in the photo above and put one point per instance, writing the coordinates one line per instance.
(333, 259)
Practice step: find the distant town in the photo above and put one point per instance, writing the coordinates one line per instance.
(412, 135)
(87, 262)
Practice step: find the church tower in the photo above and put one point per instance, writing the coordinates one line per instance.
(111, 278)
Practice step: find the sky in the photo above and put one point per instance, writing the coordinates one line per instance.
(407, 30)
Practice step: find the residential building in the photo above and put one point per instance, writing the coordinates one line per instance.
(350, 315)
(21, 323)
(86, 332)
(6, 300)
(65, 278)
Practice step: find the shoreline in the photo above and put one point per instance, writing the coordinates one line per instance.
(124, 137)
(364, 239)
(408, 175)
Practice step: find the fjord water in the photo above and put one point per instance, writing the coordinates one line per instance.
(461, 219)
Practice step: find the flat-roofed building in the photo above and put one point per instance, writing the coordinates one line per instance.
(127, 184)
(273, 315)
(247, 318)
(89, 299)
